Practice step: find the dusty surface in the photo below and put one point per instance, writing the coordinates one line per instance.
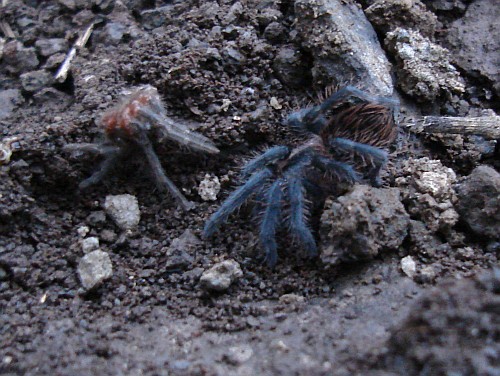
(233, 70)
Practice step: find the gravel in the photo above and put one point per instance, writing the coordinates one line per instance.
(123, 210)
(94, 268)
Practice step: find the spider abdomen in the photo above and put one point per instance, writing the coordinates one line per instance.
(368, 123)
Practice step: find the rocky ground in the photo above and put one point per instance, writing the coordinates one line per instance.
(115, 279)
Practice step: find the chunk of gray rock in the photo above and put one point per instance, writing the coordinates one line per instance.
(343, 44)
(479, 201)
(291, 67)
(387, 15)
(474, 40)
(179, 253)
(427, 188)
(35, 80)
(9, 100)
(48, 47)
(94, 268)
(358, 225)
(123, 210)
(18, 59)
(221, 275)
(89, 244)
(424, 68)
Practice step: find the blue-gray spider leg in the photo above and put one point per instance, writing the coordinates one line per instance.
(235, 200)
(273, 154)
(270, 221)
(342, 170)
(111, 156)
(297, 221)
(376, 156)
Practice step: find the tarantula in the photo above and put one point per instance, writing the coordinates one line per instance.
(282, 178)
(128, 126)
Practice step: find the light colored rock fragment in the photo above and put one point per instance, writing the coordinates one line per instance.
(291, 299)
(427, 187)
(408, 266)
(221, 275)
(209, 188)
(424, 68)
(123, 210)
(94, 268)
(89, 244)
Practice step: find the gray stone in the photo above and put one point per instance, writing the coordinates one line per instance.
(343, 44)
(408, 266)
(94, 268)
(360, 224)
(153, 18)
(36, 80)
(427, 188)
(209, 188)
(290, 66)
(18, 59)
(474, 40)
(221, 275)
(114, 32)
(179, 252)
(387, 15)
(479, 201)
(48, 47)
(123, 210)
(9, 100)
(424, 68)
(89, 244)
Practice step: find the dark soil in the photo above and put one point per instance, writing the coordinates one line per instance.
(214, 64)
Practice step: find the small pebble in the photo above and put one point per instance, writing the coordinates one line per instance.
(209, 188)
(123, 210)
(221, 275)
(409, 266)
(94, 268)
(89, 244)
(291, 298)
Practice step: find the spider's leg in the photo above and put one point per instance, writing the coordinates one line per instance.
(376, 156)
(178, 132)
(235, 200)
(342, 170)
(100, 149)
(271, 155)
(270, 221)
(162, 181)
(111, 156)
(297, 220)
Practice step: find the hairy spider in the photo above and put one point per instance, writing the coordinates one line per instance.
(338, 147)
(128, 126)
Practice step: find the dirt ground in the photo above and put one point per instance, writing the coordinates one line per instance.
(406, 282)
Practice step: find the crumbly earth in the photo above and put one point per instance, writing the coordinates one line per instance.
(233, 70)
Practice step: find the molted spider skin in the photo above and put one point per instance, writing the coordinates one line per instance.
(129, 124)
(282, 179)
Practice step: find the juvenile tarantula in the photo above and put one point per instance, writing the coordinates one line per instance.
(282, 178)
(129, 126)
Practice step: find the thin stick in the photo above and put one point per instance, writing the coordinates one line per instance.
(487, 126)
(62, 73)
(6, 29)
